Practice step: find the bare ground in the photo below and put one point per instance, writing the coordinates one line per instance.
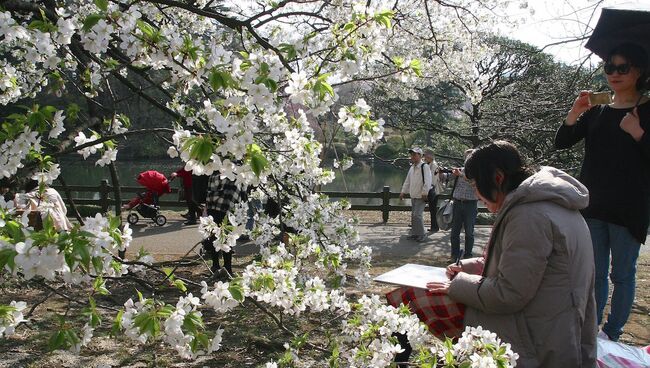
(251, 346)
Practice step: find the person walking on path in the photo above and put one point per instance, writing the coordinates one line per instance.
(222, 195)
(616, 170)
(416, 185)
(464, 212)
(436, 188)
(193, 210)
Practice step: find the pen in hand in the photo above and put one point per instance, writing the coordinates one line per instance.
(460, 256)
(455, 267)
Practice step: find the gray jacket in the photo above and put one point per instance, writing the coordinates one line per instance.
(535, 289)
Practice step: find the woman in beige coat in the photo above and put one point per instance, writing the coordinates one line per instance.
(534, 287)
(46, 202)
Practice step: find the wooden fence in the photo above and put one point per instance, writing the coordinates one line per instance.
(106, 198)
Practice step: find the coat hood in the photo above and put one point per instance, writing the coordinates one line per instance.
(550, 184)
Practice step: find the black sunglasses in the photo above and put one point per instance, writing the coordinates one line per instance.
(620, 68)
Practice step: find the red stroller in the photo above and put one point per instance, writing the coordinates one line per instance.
(146, 203)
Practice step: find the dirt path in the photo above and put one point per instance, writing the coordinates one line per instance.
(386, 240)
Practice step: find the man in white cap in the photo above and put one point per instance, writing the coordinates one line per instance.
(416, 185)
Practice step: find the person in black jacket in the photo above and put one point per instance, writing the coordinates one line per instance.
(616, 170)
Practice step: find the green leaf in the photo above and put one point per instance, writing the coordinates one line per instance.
(216, 80)
(271, 84)
(98, 263)
(99, 285)
(36, 120)
(48, 111)
(115, 222)
(72, 112)
(288, 49)
(91, 20)
(168, 272)
(201, 148)
(265, 69)
(12, 228)
(203, 340)
(322, 87)
(237, 292)
(193, 322)
(117, 323)
(146, 28)
(384, 18)
(219, 79)
(56, 341)
(43, 26)
(180, 285)
(101, 4)
(81, 252)
(7, 257)
(449, 357)
(333, 360)
(111, 63)
(416, 66)
(258, 163)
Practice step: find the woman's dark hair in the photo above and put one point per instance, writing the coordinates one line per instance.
(30, 185)
(483, 164)
(637, 57)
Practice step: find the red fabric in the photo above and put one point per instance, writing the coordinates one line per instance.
(439, 312)
(154, 181)
(147, 198)
(186, 176)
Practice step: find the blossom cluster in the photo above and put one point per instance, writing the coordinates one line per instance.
(356, 119)
(481, 348)
(74, 256)
(11, 316)
(182, 325)
(224, 235)
(16, 150)
(367, 334)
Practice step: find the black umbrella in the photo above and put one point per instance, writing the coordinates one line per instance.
(621, 24)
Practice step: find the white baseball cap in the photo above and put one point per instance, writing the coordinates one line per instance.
(415, 150)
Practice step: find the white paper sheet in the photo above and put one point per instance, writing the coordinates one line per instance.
(413, 275)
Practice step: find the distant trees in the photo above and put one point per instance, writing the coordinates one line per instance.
(517, 93)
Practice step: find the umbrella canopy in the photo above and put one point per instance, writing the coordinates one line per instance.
(618, 25)
(154, 181)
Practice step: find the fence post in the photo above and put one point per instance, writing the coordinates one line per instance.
(103, 195)
(385, 202)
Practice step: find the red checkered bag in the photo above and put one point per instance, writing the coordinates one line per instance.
(438, 311)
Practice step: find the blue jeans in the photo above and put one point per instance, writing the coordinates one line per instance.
(615, 239)
(464, 215)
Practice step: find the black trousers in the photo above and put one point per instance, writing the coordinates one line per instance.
(432, 198)
(193, 209)
(209, 247)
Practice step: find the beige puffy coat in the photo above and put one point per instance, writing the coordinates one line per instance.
(536, 288)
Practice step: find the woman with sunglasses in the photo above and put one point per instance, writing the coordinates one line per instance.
(616, 170)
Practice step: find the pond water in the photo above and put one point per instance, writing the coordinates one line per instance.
(361, 177)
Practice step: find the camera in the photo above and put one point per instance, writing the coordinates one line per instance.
(444, 170)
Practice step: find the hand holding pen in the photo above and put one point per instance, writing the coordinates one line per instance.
(452, 270)
(455, 268)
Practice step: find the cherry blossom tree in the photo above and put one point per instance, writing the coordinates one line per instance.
(241, 84)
